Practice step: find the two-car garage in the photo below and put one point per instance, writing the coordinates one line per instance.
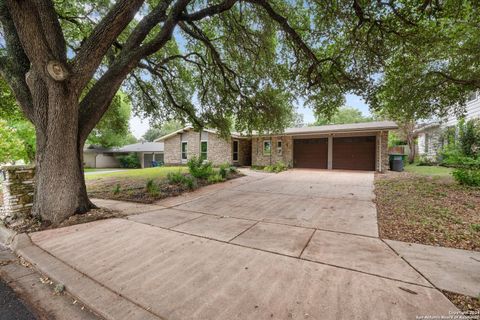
(351, 153)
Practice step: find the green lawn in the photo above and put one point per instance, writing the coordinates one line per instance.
(100, 169)
(429, 170)
(148, 173)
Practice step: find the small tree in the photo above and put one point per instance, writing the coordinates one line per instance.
(469, 137)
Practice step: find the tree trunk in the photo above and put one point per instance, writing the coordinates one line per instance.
(60, 185)
(411, 147)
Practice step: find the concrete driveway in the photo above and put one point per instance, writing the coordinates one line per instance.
(302, 244)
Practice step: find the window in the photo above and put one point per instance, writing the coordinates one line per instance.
(279, 148)
(235, 150)
(203, 150)
(184, 150)
(267, 147)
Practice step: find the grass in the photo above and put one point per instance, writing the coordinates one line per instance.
(100, 169)
(148, 173)
(427, 208)
(144, 185)
(433, 171)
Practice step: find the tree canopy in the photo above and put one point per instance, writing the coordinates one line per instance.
(343, 115)
(429, 58)
(113, 130)
(165, 128)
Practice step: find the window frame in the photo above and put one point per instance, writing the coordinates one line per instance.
(235, 153)
(279, 147)
(182, 152)
(202, 152)
(269, 152)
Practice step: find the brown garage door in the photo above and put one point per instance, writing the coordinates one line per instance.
(310, 153)
(354, 153)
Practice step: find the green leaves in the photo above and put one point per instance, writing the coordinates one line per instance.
(113, 130)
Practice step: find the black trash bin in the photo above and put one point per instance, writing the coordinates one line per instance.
(396, 162)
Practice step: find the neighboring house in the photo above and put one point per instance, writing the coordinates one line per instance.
(94, 157)
(430, 136)
(358, 146)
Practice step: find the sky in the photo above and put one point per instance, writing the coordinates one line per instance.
(139, 126)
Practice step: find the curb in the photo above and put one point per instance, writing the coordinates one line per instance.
(96, 297)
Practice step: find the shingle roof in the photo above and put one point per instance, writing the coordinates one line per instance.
(141, 147)
(136, 147)
(350, 127)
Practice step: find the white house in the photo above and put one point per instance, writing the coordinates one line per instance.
(430, 139)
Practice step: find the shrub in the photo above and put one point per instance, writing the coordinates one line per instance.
(179, 178)
(129, 161)
(116, 189)
(152, 188)
(199, 168)
(226, 169)
(469, 177)
(175, 177)
(214, 178)
(277, 167)
(469, 137)
(424, 161)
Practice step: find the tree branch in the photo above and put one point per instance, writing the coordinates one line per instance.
(209, 11)
(15, 65)
(52, 30)
(29, 29)
(144, 27)
(101, 39)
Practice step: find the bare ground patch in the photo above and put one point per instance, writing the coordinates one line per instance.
(33, 224)
(428, 210)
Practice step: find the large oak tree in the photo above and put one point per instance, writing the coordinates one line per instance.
(212, 62)
(208, 61)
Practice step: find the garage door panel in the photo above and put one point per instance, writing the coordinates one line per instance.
(354, 153)
(310, 153)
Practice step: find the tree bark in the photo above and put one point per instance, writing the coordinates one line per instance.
(60, 187)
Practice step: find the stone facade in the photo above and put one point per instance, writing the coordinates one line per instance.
(17, 188)
(251, 150)
(382, 152)
(219, 150)
(172, 151)
(285, 156)
(261, 159)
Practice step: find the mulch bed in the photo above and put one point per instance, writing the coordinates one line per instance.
(464, 303)
(135, 189)
(428, 210)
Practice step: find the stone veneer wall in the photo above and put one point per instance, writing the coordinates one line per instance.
(17, 191)
(172, 153)
(382, 152)
(219, 150)
(259, 159)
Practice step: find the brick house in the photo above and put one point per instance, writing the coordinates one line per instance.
(357, 146)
